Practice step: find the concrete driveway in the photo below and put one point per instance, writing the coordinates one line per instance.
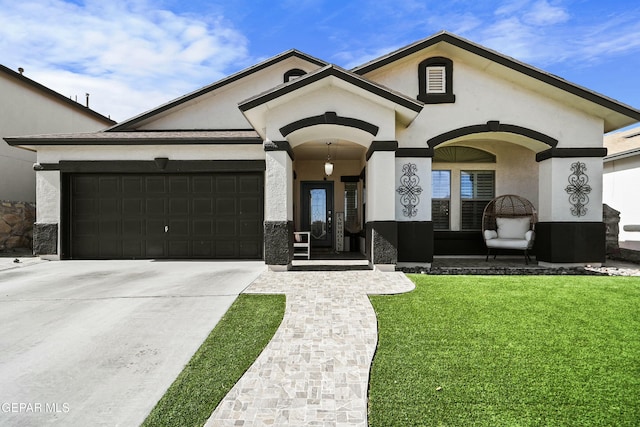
(98, 342)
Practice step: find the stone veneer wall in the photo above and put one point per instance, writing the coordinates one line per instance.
(611, 218)
(16, 225)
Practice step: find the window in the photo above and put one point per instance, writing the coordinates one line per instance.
(293, 74)
(351, 220)
(440, 199)
(435, 81)
(477, 188)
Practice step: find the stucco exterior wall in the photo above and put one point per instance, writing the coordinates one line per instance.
(416, 181)
(219, 109)
(24, 110)
(554, 179)
(344, 104)
(620, 183)
(482, 96)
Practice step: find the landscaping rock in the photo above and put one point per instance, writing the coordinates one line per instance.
(16, 225)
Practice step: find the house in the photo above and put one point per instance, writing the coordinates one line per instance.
(621, 176)
(409, 148)
(29, 108)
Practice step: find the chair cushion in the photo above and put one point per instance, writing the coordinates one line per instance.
(513, 228)
(508, 244)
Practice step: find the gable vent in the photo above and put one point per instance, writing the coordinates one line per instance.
(436, 80)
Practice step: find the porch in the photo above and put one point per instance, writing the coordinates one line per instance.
(469, 265)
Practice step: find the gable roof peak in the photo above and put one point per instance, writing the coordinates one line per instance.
(127, 124)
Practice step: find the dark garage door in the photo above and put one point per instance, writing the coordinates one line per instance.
(165, 216)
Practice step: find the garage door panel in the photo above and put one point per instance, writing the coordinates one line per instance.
(155, 227)
(250, 227)
(250, 206)
(179, 227)
(179, 249)
(226, 206)
(132, 249)
(250, 249)
(179, 206)
(202, 184)
(202, 207)
(85, 206)
(109, 229)
(109, 185)
(132, 185)
(156, 206)
(226, 227)
(109, 206)
(133, 227)
(155, 184)
(226, 184)
(109, 248)
(203, 249)
(226, 249)
(250, 184)
(202, 227)
(125, 215)
(132, 206)
(85, 228)
(155, 248)
(85, 185)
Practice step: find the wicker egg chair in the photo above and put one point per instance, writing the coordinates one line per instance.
(508, 222)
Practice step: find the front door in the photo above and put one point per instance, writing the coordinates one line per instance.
(317, 212)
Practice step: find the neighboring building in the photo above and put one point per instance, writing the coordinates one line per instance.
(420, 140)
(621, 179)
(29, 108)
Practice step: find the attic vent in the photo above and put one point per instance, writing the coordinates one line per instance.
(436, 79)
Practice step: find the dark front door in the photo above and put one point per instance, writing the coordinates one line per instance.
(317, 212)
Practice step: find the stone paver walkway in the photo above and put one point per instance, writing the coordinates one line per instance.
(315, 370)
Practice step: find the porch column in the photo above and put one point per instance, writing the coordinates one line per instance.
(46, 230)
(381, 226)
(278, 200)
(570, 229)
(413, 206)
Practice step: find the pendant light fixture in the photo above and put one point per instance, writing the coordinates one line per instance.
(328, 166)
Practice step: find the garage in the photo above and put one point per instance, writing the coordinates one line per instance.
(171, 216)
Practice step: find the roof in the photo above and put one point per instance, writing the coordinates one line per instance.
(59, 97)
(220, 83)
(622, 144)
(340, 73)
(504, 60)
(140, 138)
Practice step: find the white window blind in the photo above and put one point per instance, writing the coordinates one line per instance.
(477, 188)
(436, 79)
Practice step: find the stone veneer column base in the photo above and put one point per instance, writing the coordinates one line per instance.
(45, 239)
(383, 237)
(278, 244)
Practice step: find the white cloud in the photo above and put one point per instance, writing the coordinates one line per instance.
(542, 13)
(130, 56)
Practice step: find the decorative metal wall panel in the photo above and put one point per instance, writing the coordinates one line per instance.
(578, 189)
(409, 190)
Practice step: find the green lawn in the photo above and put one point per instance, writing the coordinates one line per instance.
(223, 358)
(508, 351)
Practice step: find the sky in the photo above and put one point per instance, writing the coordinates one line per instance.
(132, 56)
